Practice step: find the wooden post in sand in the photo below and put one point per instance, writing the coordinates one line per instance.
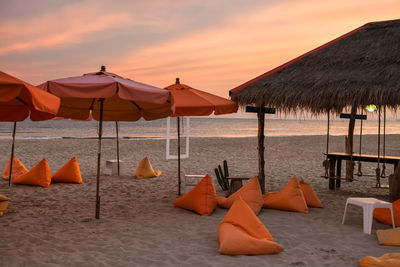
(394, 184)
(349, 144)
(261, 161)
(261, 110)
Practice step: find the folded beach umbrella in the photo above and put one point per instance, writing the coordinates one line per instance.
(108, 97)
(194, 102)
(19, 99)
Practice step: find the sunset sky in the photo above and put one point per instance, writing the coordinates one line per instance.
(211, 45)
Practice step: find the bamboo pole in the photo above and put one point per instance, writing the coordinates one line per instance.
(261, 148)
(359, 171)
(383, 173)
(327, 135)
(12, 153)
(99, 160)
(378, 169)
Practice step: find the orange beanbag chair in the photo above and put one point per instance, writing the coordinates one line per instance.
(250, 193)
(3, 204)
(290, 198)
(309, 195)
(69, 173)
(383, 215)
(145, 170)
(38, 175)
(389, 237)
(242, 233)
(17, 169)
(201, 199)
(386, 260)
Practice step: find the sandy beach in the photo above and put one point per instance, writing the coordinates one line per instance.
(139, 226)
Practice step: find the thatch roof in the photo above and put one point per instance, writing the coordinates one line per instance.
(360, 67)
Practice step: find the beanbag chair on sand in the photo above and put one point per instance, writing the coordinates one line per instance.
(389, 237)
(38, 175)
(383, 215)
(290, 198)
(145, 170)
(309, 195)
(17, 169)
(69, 173)
(201, 199)
(3, 204)
(250, 193)
(386, 260)
(242, 233)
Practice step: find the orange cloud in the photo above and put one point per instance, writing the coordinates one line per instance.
(223, 57)
(215, 58)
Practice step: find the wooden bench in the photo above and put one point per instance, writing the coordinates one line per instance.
(335, 164)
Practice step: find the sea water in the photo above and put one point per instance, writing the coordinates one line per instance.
(237, 125)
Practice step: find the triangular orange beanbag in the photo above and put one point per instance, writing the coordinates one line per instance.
(389, 237)
(201, 199)
(309, 195)
(17, 169)
(38, 175)
(383, 215)
(289, 198)
(386, 260)
(250, 193)
(3, 204)
(145, 170)
(69, 173)
(242, 233)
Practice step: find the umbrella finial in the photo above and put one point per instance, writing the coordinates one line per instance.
(177, 81)
(103, 68)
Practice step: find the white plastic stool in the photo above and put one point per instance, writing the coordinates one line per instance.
(368, 204)
(112, 167)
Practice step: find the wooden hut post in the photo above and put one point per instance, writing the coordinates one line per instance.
(261, 161)
(349, 144)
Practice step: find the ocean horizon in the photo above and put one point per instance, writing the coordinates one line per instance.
(243, 125)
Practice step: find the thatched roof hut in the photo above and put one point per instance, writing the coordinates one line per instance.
(360, 67)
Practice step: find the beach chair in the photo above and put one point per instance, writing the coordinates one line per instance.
(230, 183)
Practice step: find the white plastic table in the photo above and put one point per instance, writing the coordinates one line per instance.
(368, 204)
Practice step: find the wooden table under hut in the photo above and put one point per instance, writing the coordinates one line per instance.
(333, 161)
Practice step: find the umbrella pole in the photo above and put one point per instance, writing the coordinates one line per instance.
(116, 129)
(179, 157)
(99, 160)
(12, 153)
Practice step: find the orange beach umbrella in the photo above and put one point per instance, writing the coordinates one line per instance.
(194, 102)
(19, 99)
(108, 97)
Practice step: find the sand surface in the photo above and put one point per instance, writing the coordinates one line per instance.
(139, 226)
